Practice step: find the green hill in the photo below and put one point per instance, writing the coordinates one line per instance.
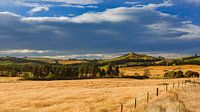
(131, 59)
(194, 58)
(18, 61)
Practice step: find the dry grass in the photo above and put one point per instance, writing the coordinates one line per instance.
(169, 102)
(97, 95)
(191, 97)
(184, 100)
(158, 70)
(67, 62)
(9, 79)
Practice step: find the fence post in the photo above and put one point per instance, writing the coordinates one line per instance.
(148, 97)
(135, 102)
(166, 87)
(122, 107)
(185, 82)
(178, 85)
(157, 92)
(173, 85)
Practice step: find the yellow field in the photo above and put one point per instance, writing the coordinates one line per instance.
(67, 62)
(183, 100)
(158, 70)
(96, 95)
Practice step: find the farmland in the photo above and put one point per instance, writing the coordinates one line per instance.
(95, 95)
(158, 71)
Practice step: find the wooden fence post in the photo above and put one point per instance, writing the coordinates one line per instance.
(122, 107)
(157, 92)
(178, 84)
(135, 102)
(166, 87)
(148, 97)
(173, 85)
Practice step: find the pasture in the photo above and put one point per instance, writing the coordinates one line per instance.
(95, 95)
(158, 71)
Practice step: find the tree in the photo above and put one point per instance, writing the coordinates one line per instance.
(109, 71)
(190, 73)
(179, 74)
(102, 73)
(116, 71)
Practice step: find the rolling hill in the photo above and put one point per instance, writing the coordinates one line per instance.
(131, 59)
(19, 61)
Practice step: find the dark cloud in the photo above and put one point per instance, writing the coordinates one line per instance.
(127, 29)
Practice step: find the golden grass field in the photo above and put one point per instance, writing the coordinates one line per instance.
(67, 62)
(95, 95)
(158, 70)
(183, 100)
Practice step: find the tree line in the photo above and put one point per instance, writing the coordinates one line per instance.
(60, 72)
(181, 74)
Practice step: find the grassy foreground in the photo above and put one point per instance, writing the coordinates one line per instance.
(95, 95)
(184, 100)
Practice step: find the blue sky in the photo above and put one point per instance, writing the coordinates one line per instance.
(99, 28)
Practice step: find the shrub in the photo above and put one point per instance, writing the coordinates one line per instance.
(179, 74)
(27, 75)
(169, 74)
(174, 74)
(146, 73)
(190, 73)
(51, 76)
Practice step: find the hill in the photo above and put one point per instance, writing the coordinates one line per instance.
(191, 58)
(131, 59)
(18, 61)
(58, 61)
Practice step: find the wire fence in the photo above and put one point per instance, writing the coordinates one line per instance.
(144, 99)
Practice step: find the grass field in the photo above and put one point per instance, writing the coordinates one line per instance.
(64, 62)
(183, 100)
(67, 62)
(158, 70)
(96, 95)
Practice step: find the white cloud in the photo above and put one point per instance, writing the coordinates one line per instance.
(166, 3)
(6, 13)
(85, 56)
(158, 26)
(192, 30)
(110, 15)
(38, 9)
(132, 3)
(45, 19)
(44, 5)
(23, 51)
(165, 54)
(83, 2)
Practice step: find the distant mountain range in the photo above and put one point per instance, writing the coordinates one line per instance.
(130, 59)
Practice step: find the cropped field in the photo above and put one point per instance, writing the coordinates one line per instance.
(158, 70)
(96, 95)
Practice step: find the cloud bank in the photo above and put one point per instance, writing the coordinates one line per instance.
(121, 29)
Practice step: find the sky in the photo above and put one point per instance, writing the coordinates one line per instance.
(99, 28)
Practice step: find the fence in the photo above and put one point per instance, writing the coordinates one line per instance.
(145, 98)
